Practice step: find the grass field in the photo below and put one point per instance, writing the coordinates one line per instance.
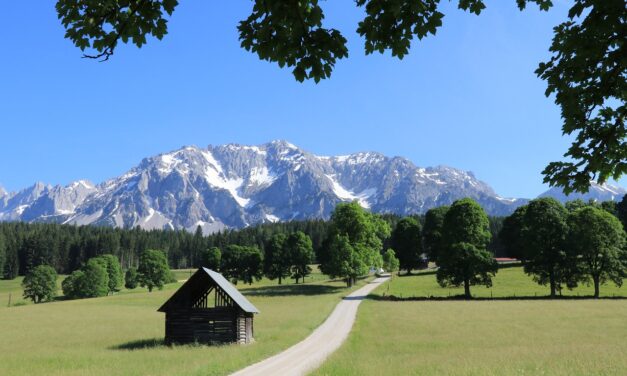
(508, 282)
(122, 334)
(484, 337)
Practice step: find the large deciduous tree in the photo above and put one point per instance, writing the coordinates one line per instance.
(586, 72)
(300, 251)
(621, 211)
(406, 240)
(40, 284)
(355, 242)
(464, 259)
(390, 262)
(91, 281)
(211, 258)
(543, 242)
(130, 279)
(153, 270)
(432, 231)
(511, 233)
(242, 263)
(597, 240)
(114, 271)
(277, 261)
(2, 255)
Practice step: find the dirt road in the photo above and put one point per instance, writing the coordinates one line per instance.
(309, 354)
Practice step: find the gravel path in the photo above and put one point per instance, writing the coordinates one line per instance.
(309, 354)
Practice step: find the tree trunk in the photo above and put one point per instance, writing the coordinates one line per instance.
(596, 286)
(467, 289)
(552, 284)
(279, 280)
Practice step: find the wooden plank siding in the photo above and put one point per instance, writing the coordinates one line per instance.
(193, 315)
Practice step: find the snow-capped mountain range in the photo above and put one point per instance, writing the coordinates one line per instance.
(233, 186)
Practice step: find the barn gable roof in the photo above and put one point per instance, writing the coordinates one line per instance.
(221, 282)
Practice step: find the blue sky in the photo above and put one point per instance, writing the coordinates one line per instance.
(466, 98)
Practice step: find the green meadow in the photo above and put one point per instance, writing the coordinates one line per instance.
(509, 282)
(485, 337)
(122, 334)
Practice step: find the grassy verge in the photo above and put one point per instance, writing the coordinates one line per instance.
(485, 337)
(122, 334)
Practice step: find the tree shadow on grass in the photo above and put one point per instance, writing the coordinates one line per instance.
(394, 298)
(141, 344)
(289, 290)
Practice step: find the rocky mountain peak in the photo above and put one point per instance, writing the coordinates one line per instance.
(233, 186)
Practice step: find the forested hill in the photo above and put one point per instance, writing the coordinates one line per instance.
(67, 247)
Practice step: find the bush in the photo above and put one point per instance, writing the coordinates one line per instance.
(70, 284)
(130, 279)
(40, 284)
(89, 282)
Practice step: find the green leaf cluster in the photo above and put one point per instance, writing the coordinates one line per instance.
(242, 263)
(40, 284)
(406, 240)
(91, 281)
(355, 242)
(153, 270)
(464, 258)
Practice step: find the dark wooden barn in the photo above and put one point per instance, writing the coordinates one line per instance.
(208, 309)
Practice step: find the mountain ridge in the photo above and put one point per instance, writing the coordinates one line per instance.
(234, 186)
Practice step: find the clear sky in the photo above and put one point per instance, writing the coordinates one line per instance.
(466, 98)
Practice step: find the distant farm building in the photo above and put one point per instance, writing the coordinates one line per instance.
(208, 309)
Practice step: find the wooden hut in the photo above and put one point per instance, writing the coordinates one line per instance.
(208, 309)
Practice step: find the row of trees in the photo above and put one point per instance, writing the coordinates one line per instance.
(283, 256)
(66, 248)
(100, 276)
(564, 246)
(23, 246)
(559, 246)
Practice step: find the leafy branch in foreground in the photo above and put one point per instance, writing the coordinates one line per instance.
(586, 72)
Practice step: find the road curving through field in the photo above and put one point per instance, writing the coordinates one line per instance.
(309, 354)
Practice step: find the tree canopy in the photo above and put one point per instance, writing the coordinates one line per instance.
(541, 242)
(211, 258)
(354, 243)
(464, 259)
(153, 270)
(114, 271)
(432, 231)
(407, 243)
(596, 240)
(390, 262)
(276, 262)
(91, 281)
(40, 284)
(242, 263)
(300, 253)
(130, 278)
(586, 72)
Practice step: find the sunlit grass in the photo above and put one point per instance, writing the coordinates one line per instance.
(121, 334)
(484, 337)
(508, 282)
